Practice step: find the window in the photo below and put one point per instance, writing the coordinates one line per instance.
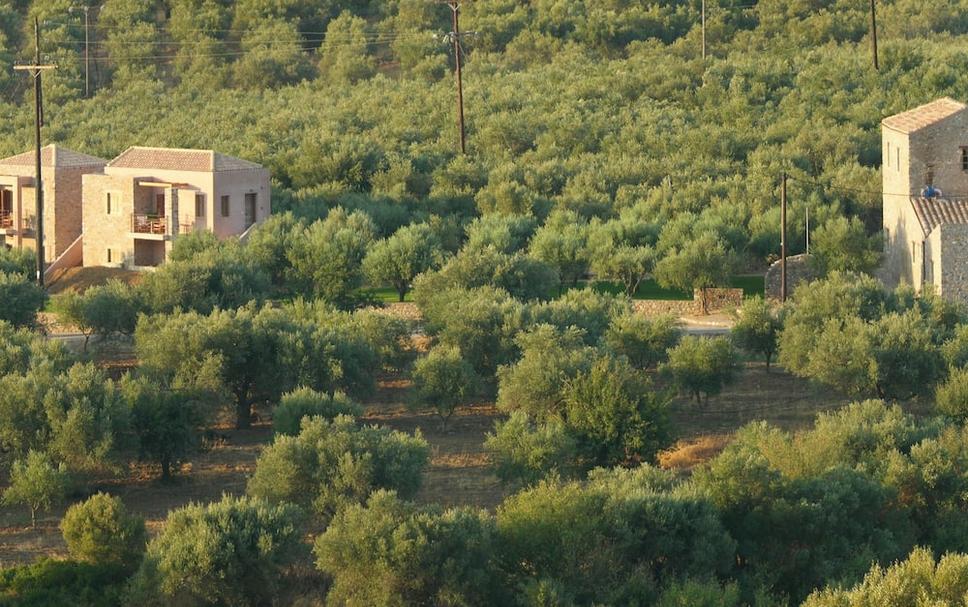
(199, 205)
(887, 153)
(109, 255)
(964, 158)
(898, 151)
(107, 204)
(226, 207)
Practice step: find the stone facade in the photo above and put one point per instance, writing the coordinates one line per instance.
(799, 271)
(147, 197)
(64, 171)
(925, 237)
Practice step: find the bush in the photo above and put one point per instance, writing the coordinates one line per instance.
(230, 552)
(333, 463)
(49, 583)
(100, 531)
(301, 403)
(702, 365)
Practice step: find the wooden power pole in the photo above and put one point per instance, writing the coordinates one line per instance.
(36, 70)
(458, 69)
(874, 34)
(783, 237)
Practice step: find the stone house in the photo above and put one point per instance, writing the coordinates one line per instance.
(63, 170)
(925, 193)
(146, 197)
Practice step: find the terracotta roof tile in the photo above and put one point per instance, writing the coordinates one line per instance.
(924, 116)
(55, 156)
(933, 212)
(179, 160)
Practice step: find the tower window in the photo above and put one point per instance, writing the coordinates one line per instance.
(964, 158)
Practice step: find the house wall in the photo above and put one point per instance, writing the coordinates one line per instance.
(236, 184)
(937, 149)
(900, 224)
(952, 264)
(62, 205)
(103, 231)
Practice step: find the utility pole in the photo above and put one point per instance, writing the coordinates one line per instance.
(36, 70)
(874, 34)
(808, 227)
(783, 237)
(87, 47)
(704, 29)
(458, 69)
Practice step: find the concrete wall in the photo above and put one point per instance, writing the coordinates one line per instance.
(235, 185)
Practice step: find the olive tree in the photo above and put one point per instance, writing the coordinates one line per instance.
(21, 298)
(644, 341)
(757, 328)
(36, 482)
(389, 551)
(230, 552)
(103, 310)
(697, 265)
(100, 530)
(333, 463)
(702, 366)
(442, 380)
(305, 402)
(397, 260)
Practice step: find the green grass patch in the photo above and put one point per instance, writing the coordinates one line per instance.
(386, 294)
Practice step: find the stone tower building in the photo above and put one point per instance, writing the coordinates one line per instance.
(925, 192)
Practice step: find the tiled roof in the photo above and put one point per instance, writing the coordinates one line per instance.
(933, 212)
(171, 159)
(54, 156)
(923, 116)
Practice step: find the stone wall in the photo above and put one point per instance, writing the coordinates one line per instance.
(799, 271)
(953, 262)
(717, 299)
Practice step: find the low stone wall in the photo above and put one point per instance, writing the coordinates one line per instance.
(404, 310)
(717, 299)
(799, 271)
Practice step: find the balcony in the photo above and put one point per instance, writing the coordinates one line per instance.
(149, 224)
(6, 220)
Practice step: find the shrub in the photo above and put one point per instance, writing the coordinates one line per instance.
(49, 583)
(230, 552)
(100, 531)
(305, 402)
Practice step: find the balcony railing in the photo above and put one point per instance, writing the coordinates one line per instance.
(148, 224)
(6, 220)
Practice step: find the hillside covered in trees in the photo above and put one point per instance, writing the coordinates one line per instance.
(602, 107)
(603, 148)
